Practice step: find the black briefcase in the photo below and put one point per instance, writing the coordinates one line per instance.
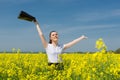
(25, 16)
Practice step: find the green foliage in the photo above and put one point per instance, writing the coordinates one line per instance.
(87, 66)
(118, 50)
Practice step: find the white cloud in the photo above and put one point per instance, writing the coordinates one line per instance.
(101, 26)
(116, 12)
(100, 15)
(72, 29)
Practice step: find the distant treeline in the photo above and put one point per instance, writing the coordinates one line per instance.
(116, 52)
(19, 51)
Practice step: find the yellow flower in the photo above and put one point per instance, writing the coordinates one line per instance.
(94, 69)
(101, 73)
(100, 45)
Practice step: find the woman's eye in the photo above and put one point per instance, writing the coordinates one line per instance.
(54, 34)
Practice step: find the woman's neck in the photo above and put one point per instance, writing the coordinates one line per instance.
(55, 43)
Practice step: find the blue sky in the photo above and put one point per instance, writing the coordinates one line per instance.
(70, 18)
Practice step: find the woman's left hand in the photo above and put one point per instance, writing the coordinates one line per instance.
(84, 37)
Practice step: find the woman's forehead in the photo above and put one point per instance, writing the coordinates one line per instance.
(54, 33)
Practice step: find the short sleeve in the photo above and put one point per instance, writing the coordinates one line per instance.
(62, 47)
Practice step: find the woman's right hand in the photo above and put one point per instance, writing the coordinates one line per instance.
(35, 21)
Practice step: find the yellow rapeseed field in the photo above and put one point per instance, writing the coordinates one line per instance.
(100, 65)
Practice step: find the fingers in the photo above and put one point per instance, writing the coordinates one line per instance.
(35, 21)
(84, 37)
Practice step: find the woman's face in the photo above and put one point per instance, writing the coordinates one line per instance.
(54, 36)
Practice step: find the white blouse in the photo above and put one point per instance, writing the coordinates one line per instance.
(53, 53)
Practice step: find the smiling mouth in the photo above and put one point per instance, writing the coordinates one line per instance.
(56, 38)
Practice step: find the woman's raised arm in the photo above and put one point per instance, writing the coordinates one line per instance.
(74, 42)
(44, 42)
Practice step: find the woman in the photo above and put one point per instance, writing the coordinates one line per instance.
(53, 49)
